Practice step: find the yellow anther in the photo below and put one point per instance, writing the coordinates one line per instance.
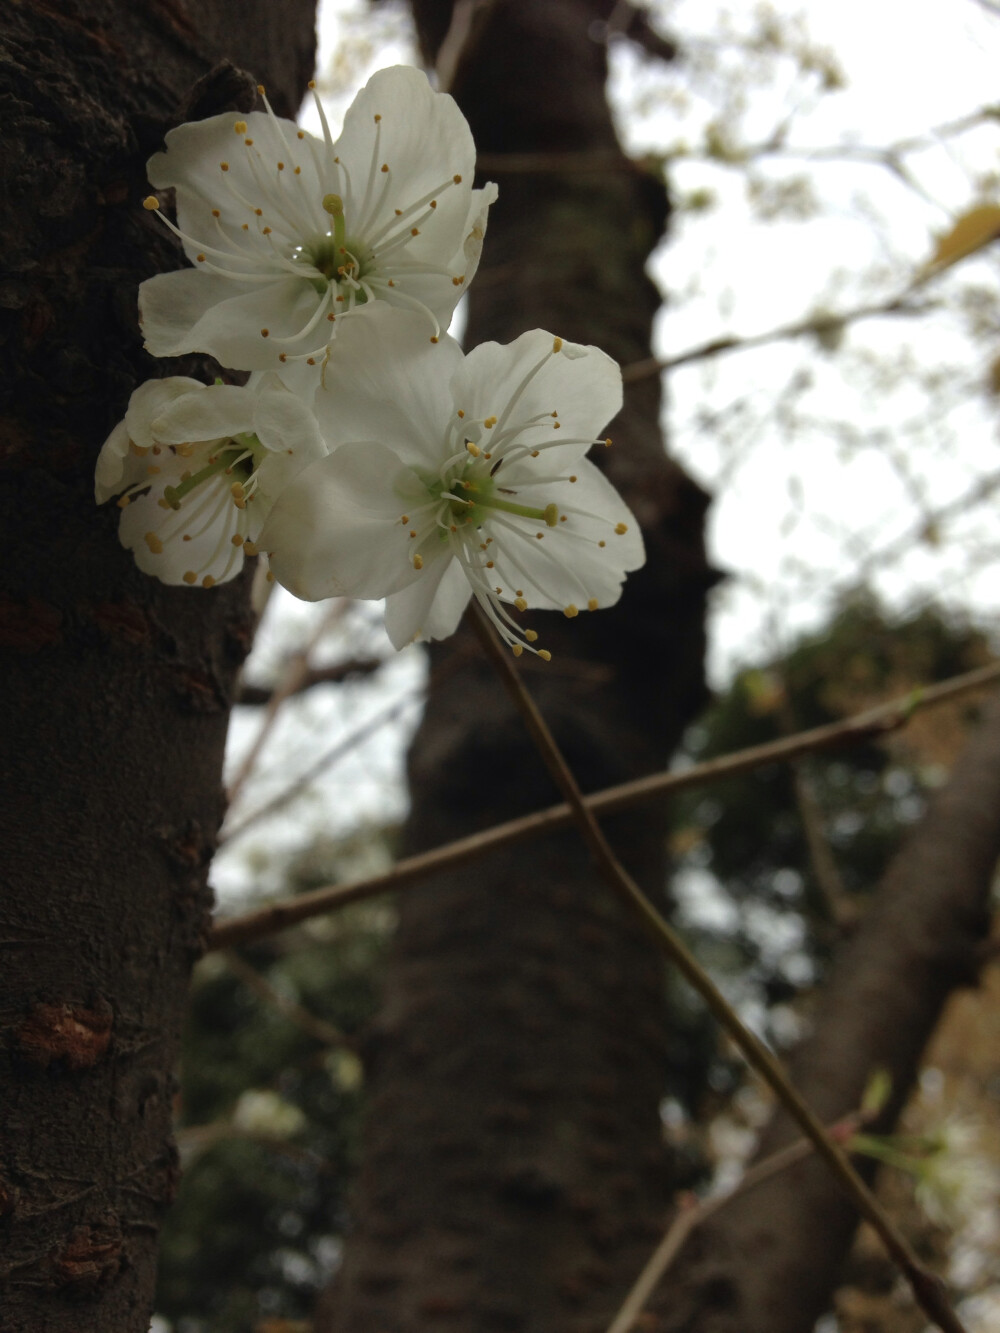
(186, 537)
(557, 344)
(311, 84)
(457, 180)
(384, 166)
(265, 333)
(516, 649)
(570, 611)
(190, 576)
(281, 166)
(461, 413)
(249, 548)
(300, 134)
(184, 450)
(418, 562)
(248, 142)
(487, 455)
(216, 213)
(124, 501)
(498, 591)
(602, 543)
(298, 171)
(608, 442)
(572, 478)
(223, 166)
(489, 564)
(151, 469)
(237, 490)
(435, 338)
(535, 453)
(331, 318)
(153, 542)
(539, 535)
(404, 519)
(282, 356)
(562, 518)
(266, 231)
(378, 117)
(490, 422)
(236, 539)
(334, 205)
(531, 635)
(208, 581)
(414, 231)
(240, 127)
(518, 592)
(200, 259)
(545, 655)
(472, 448)
(270, 576)
(260, 89)
(621, 528)
(151, 203)
(434, 203)
(557, 425)
(413, 532)
(592, 604)
(521, 604)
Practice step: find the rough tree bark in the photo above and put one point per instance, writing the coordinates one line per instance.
(513, 1174)
(769, 1262)
(115, 689)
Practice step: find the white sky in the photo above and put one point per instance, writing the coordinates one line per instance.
(796, 507)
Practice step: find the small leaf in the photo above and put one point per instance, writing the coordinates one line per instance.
(973, 231)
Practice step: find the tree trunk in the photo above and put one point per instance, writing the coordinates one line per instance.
(513, 1174)
(116, 689)
(769, 1262)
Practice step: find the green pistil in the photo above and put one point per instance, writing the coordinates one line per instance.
(241, 471)
(483, 496)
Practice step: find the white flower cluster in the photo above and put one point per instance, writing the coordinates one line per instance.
(366, 456)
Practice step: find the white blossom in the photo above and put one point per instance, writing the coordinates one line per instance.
(197, 469)
(290, 233)
(451, 476)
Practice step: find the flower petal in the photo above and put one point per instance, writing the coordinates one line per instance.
(190, 311)
(431, 607)
(568, 566)
(387, 381)
(585, 389)
(336, 530)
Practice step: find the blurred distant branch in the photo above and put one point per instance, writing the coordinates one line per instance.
(820, 325)
(310, 676)
(318, 1028)
(326, 759)
(874, 722)
(692, 1212)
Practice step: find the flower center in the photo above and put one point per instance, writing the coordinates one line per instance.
(237, 458)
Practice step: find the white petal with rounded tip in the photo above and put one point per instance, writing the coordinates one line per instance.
(568, 566)
(206, 413)
(118, 467)
(389, 382)
(190, 311)
(336, 530)
(585, 390)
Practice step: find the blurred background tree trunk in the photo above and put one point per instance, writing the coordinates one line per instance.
(116, 689)
(513, 1173)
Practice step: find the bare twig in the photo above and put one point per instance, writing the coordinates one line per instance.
(328, 757)
(692, 1212)
(335, 674)
(295, 673)
(813, 326)
(928, 1291)
(872, 723)
(318, 1028)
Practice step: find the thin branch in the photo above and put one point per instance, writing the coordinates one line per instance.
(814, 326)
(340, 671)
(315, 1027)
(872, 723)
(295, 672)
(328, 757)
(693, 1212)
(928, 1290)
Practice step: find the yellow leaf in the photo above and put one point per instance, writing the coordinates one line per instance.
(971, 232)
